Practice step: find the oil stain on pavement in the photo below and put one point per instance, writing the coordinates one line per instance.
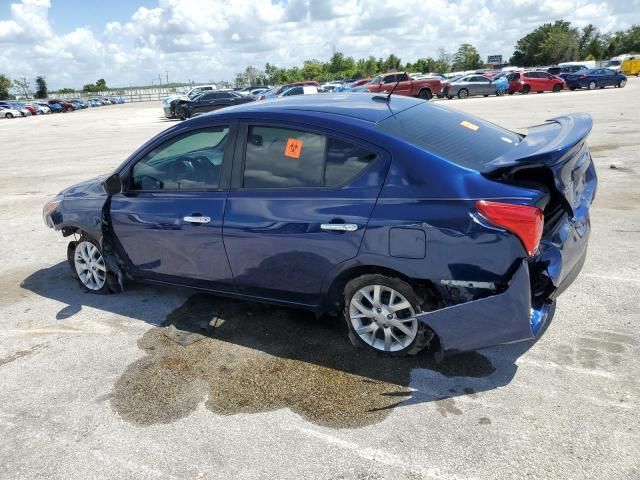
(257, 358)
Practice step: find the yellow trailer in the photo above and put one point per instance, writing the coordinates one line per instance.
(631, 66)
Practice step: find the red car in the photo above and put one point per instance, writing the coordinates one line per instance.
(360, 83)
(534, 81)
(424, 88)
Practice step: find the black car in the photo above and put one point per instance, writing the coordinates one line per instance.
(565, 70)
(208, 102)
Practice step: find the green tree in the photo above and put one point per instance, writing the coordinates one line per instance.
(467, 58)
(101, 84)
(67, 90)
(5, 86)
(391, 64)
(41, 91)
(548, 44)
(423, 65)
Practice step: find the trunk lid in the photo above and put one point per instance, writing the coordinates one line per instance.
(559, 147)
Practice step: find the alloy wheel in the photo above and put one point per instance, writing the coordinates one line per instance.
(90, 266)
(383, 318)
(592, 85)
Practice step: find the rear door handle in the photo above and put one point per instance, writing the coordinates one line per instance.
(339, 227)
(197, 219)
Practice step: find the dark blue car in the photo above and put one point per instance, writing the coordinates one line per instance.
(422, 225)
(595, 78)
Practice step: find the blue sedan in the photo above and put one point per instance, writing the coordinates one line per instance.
(595, 78)
(423, 226)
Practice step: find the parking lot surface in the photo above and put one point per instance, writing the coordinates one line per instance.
(92, 386)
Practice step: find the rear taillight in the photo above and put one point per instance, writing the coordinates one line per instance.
(523, 220)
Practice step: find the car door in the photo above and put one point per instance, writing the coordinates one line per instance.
(484, 85)
(609, 78)
(168, 219)
(298, 207)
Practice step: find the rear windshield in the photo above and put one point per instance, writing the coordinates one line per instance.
(455, 136)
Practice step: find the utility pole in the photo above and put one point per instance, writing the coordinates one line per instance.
(167, 73)
(160, 79)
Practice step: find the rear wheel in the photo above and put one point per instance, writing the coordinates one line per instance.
(592, 85)
(557, 87)
(380, 313)
(463, 93)
(425, 94)
(525, 90)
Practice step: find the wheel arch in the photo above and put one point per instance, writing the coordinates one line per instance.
(424, 288)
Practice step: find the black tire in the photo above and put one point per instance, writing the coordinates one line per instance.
(463, 93)
(485, 96)
(623, 82)
(111, 283)
(572, 88)
(449, 97)
(525, 90)
(557, 87)
(424, 335)
(9, 115)
(425, 94)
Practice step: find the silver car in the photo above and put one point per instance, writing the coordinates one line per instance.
(468, 86)
(8, 112)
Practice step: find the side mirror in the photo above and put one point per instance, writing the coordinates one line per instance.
(112, 184)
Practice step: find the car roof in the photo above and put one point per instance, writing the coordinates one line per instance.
(360, 106)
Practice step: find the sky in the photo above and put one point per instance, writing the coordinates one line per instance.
(131, 42)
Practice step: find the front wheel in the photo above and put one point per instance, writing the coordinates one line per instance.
(88, 265)
(622, 83)
(380, 313)
(592, 85)
(9, 115)
(557, 87)
(463, 93)
(525, 90)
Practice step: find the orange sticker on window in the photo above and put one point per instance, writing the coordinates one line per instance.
(293, 148)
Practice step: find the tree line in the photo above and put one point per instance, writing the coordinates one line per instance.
(549, 44)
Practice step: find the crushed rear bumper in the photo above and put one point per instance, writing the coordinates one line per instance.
(505, 317)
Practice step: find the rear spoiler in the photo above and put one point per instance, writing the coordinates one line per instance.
(546, 144)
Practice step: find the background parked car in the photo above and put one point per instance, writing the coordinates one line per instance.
(468, 86)
(563, 71)
(44, 106)
(361, 82)
(55, 106)
(20, 107)
(424, 88)
(300, 90)
(208, 102)
(8, 112)
(596, 78)
(534, 81)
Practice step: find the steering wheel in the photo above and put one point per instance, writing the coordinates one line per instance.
(182, 169)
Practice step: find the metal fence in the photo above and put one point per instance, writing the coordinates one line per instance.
(129, 95)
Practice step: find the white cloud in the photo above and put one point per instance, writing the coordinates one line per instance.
(205, 41)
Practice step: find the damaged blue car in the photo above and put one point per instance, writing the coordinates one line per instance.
(423, 226)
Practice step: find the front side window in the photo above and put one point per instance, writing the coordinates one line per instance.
(191, 161)
(285, 158)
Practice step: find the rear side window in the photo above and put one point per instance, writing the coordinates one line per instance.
(280, 158)
(460, 138)
(287, 158)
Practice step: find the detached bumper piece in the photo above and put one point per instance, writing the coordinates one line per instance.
(506, 317)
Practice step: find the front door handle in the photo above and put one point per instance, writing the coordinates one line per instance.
(339, 227)
(197, 219)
